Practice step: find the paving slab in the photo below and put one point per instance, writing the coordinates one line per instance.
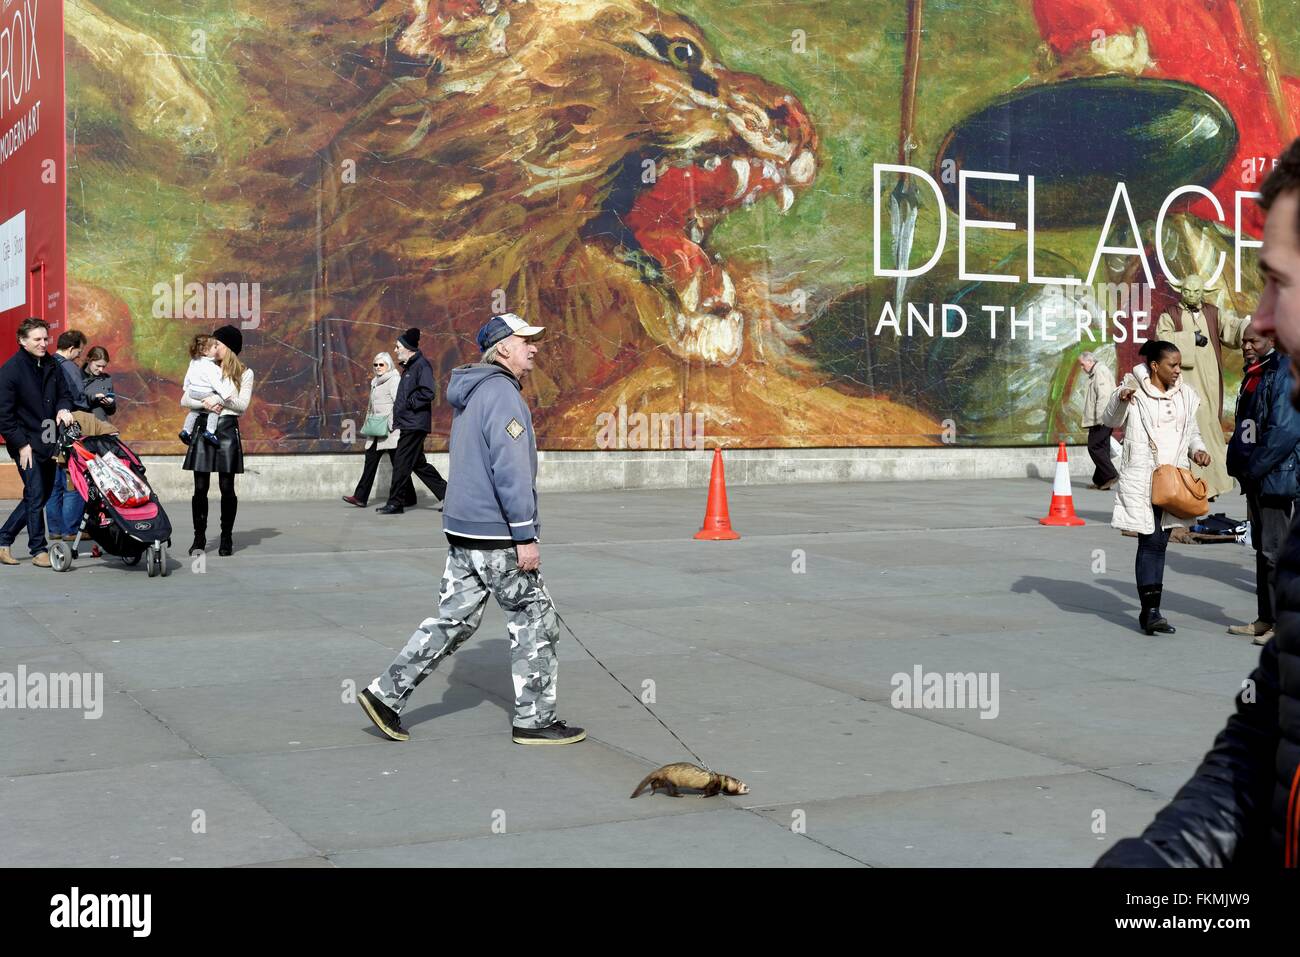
(828, 751)
(1023, 822)
(228, 688)
(706, 838)
(137, 815)
(440, 787)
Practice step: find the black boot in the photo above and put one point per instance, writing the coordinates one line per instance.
(229, 506)
(1150, 618)
(199, 512)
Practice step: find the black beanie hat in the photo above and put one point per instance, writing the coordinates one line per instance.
(231, 338)
(410, 338)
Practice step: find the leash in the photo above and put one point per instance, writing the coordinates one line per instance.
(547, 593)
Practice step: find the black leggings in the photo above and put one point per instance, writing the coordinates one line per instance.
(1151, 553)
(225, 482)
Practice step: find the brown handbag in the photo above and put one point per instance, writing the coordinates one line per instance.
(1179, 492)
(1174, 489)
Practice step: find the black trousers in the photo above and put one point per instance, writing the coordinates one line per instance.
(371, 469)
(1270, 520)
(1099, 451)
(409, 460)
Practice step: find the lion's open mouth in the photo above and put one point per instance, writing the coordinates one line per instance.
(671, 219)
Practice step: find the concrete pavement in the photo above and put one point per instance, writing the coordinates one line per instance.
(226, 738)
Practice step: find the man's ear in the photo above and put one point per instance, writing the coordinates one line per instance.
(458, 31)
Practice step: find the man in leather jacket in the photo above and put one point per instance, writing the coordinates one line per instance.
(1242, 806)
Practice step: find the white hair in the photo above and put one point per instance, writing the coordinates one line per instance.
(385, 357)
(1087, 357)
(491, 354)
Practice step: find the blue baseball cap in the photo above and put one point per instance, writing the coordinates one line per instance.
(503, 327)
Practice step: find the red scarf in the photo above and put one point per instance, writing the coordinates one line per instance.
(1253, 374)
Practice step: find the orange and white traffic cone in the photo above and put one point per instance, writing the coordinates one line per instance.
(1061, 511)
(717, 520)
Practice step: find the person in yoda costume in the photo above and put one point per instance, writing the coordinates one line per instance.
(1200, 332)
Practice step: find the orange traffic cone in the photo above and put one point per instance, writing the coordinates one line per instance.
(1061, 511)
(717, 520)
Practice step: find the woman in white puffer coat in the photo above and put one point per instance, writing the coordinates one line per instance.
(1160, 410)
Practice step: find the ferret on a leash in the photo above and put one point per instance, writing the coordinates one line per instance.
(686, 775)
(671, 776)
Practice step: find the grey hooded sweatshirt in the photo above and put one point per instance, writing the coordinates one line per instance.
(492, 496)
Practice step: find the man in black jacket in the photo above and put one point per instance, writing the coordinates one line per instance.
(1262, 456)
(413, 416)
(33, 396)
(1242, 806)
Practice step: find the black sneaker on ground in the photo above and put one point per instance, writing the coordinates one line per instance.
(557, 732)
(384, 717)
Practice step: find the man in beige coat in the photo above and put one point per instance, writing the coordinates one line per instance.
(1101, 383)
(1200, 331)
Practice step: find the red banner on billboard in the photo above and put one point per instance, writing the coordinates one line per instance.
(33, 231)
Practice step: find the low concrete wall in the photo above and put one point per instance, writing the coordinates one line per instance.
(278, 477)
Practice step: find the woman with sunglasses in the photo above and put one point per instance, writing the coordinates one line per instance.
(383, 395)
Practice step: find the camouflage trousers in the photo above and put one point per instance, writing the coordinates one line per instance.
(471, 575)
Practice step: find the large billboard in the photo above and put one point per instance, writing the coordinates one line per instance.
(826, 223)
(32, 228)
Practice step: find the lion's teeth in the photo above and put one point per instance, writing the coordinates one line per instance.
(787, 199)
(770, 171)
(803, 168)
(712, 163)
(728, 295)
(741, 168)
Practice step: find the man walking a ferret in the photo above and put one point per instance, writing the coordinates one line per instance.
(491, 522)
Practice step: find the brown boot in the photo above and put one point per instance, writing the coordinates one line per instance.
(42, 560)
(6, 558)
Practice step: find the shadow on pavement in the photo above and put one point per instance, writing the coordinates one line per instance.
(1226, 572)
(1174, 602)
(253, 536)
(1077, 597)
(476, 664)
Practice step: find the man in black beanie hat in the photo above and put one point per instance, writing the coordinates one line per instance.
(413, 416)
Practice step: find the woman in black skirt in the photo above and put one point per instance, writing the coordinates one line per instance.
(227, 457)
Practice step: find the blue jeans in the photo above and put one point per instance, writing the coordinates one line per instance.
(63, 513)
(37, 482)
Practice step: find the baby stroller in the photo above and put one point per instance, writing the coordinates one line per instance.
(122, 513)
